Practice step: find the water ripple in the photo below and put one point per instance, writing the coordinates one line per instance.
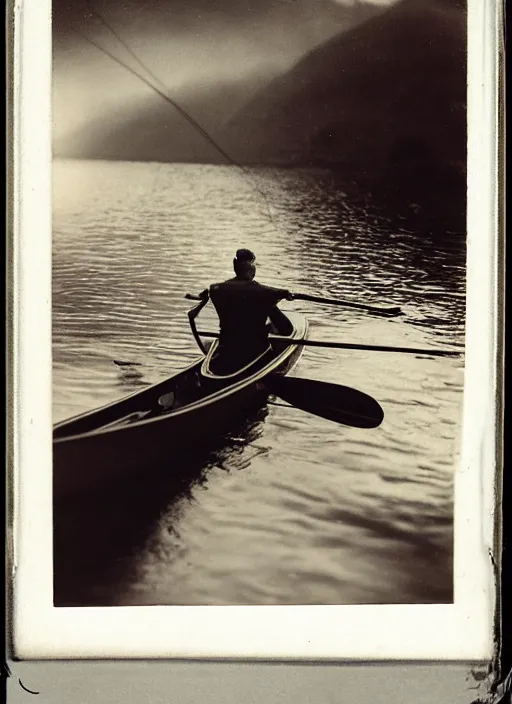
(298, 510)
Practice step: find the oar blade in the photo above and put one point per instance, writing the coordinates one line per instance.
(340, 404)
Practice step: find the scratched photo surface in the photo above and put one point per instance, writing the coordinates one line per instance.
(329, 138)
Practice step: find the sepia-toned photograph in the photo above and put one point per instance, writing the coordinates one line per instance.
(258, 300)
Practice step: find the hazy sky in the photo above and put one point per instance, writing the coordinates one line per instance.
(190, 46)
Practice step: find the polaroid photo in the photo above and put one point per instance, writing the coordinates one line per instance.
(256, 342)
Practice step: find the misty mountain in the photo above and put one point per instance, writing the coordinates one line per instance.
(390, 93)
(154, 131)
(383, 102)
(227, 51)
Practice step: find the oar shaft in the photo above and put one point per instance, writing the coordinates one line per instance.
(370, 348)
(395, 310)
(351, 346)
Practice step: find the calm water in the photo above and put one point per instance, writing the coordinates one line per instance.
(293, 509)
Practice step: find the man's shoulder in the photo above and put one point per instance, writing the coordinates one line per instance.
(232, 283)
(222, 284)
(223, 287)
(269, 289)
(238, 284)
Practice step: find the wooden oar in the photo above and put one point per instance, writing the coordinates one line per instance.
(334, 345)
(351, 346)
(378, 310)
(340, 404)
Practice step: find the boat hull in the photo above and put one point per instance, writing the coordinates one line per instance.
(90, 459)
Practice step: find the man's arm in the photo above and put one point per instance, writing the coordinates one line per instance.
(192, 315)
(278, 294)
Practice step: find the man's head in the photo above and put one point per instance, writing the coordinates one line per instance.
(244, 264)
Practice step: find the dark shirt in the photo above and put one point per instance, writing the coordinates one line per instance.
(243, 308)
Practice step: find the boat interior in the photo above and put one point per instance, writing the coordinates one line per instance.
(238, 360)
(202, 379)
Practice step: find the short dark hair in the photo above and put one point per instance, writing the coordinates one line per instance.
(245, 255)
(243, 264)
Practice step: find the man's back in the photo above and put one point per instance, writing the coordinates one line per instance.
(243, 307)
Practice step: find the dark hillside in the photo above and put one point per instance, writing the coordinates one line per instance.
(386, 100)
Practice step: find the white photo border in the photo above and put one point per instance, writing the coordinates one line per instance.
(459, 631)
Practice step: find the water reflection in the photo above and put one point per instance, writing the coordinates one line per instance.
(130, 378)
(97, 552)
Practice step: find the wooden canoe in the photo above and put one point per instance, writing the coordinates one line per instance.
(151, 427)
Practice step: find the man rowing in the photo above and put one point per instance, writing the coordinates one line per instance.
(244, 307)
